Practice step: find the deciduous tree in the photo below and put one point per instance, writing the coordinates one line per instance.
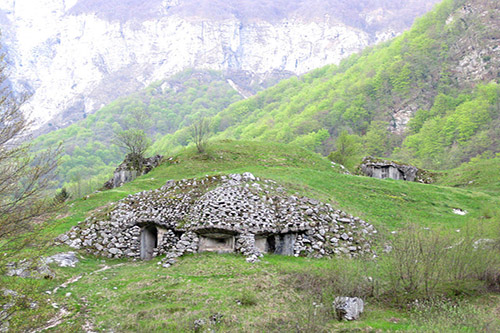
(199, 134)
(24, 177)
(135, 142)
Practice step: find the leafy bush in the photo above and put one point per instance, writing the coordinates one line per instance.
(425, 264)
(445, 315)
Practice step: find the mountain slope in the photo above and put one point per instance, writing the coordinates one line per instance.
(442, 71)
(161, 108)
(76, 56)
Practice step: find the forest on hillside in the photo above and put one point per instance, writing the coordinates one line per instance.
(422, 98)
(417, 73)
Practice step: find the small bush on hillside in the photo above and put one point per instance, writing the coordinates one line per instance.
(344, 277)
(61, 196)
(448, 316)
(425, 264)
(247, 299)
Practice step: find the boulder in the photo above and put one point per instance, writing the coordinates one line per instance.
(65, 259)
(28, 269)
(348, 308)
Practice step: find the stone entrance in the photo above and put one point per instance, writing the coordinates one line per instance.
(388, 172)
(277, 244)
(149, 241)
(217, 242)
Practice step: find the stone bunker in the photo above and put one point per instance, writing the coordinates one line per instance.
(238, 213)
(378, 168)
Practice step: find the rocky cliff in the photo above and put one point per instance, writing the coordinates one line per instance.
(74, 56)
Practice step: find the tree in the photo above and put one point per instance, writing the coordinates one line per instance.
(61, 196)
(377, 141)
(347, 147)
(199, 134)
(24, 177)
(135, 143)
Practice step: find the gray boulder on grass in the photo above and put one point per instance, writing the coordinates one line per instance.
(348, 308)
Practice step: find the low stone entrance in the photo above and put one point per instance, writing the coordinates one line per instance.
(388, 172)
(149, 241)
(217, 242)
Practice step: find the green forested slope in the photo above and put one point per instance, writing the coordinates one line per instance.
(161, 108)
(429, 97)
(428, 72)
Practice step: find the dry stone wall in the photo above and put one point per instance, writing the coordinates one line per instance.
(256, 215)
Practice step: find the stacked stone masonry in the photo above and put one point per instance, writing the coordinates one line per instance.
(236, 213)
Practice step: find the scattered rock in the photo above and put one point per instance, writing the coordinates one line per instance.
(29, 269)
(125, 172)
(9, 292)
(348, 308)
(459, 211)
(66, 259)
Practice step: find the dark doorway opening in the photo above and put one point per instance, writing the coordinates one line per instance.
(149, 241)
(271, 244)
(278, 244)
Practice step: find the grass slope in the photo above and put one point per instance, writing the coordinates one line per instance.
(385, 203)
(478, 174)
(279, 293)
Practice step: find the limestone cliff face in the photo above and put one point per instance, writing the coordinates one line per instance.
(75, 56)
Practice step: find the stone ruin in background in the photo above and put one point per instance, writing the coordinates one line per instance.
(125, 172)
(238, 213)
(378, 168)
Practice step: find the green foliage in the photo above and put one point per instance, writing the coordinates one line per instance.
(161, 108)
(347, 150)
(61, 196)
(377, 141)
(362, 94)
(455, 129)
(425, 264)
(135, 143)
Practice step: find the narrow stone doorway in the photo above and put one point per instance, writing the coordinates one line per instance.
(149, 241)
(278, 244)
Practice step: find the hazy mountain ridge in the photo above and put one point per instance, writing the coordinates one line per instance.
(76, 56)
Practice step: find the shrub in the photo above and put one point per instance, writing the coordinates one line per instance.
(425, 264)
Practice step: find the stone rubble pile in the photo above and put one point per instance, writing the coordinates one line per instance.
(246, 246)
(238, 205)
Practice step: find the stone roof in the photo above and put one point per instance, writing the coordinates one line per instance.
(237, 204)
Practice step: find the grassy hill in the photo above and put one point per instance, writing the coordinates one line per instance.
(223, 292)
(161, 108)
(386, 203)
(479, 174)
